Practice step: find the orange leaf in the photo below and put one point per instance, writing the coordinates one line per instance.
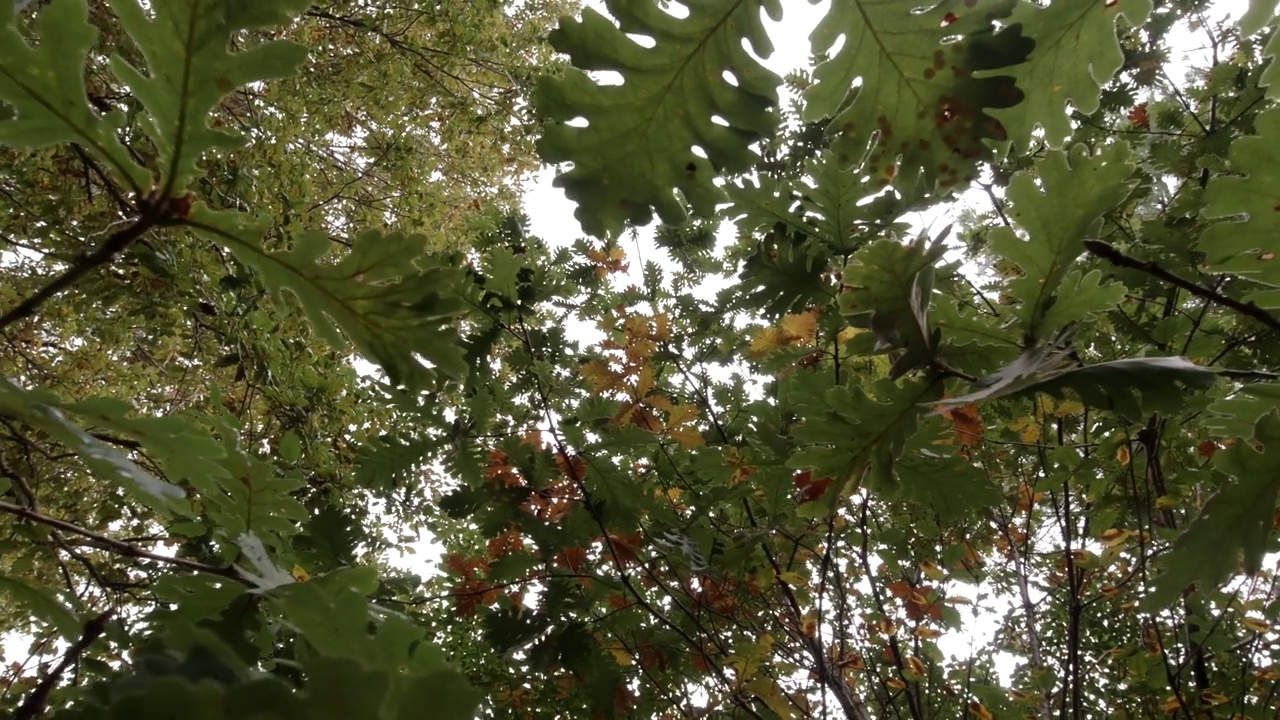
(966, 423)
(573, 559)
(624, 546)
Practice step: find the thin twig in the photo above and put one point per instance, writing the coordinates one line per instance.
(113, 246)
(122, 548)
(1250, 309)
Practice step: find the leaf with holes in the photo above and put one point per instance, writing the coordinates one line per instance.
(918, 111)
(638, 146)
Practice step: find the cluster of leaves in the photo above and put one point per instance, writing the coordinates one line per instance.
(186, 184)
(792, 498)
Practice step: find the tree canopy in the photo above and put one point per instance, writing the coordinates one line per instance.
(270, 314)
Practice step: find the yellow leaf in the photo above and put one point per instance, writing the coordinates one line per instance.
(793, 579)
(300, 574)
(896, 684)
(847, 334)
(1256, 625)
(914, 668)
(644, 383)
(1068, 407)
(932, 571)
(979, 710)
(681, 414)
(1213, 697)
(802, 328)
(621, 656)
(1112, 537)
(767, 690)
(659, 402)
(687, 437)
(599, 376)
(928, 633)
(1027, 427)
(766, 340)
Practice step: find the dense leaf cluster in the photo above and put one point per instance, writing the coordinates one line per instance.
(824, 465)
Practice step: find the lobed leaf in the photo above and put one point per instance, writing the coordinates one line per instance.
(1076, 52)
(45, 411)
(639, 144)
(43, 85)
(902, 94)
(393, 311)
(189, 69)
(1056, 230)
(1235, 526)
(1132, 387)
(1247, 246)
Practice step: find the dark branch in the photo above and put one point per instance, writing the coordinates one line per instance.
(113, 246)
(34, 705)
(103, 542)
(1250, 309)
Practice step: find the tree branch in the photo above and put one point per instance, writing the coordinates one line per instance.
(35, 703)
(113, 246)
(1250, 309)
(103, 542)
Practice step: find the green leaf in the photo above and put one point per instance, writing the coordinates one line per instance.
(1131, 387)
(918, 111)
(785, 274)
(44, 88)
(1056, 230)
(1235, 525)
(340, 689)
(1247, 247)
(248, 494)
(1239, 413)
(44, 411)
(639, 144)
(853, 430)
(887, 289)
(290, 447)
(1076, 52)
(1257, 16)
(441, 695)
(188, 70)
(393, 311)
(43, 605)
(268, 574)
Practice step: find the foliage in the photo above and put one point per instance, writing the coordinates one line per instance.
(796, 472)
